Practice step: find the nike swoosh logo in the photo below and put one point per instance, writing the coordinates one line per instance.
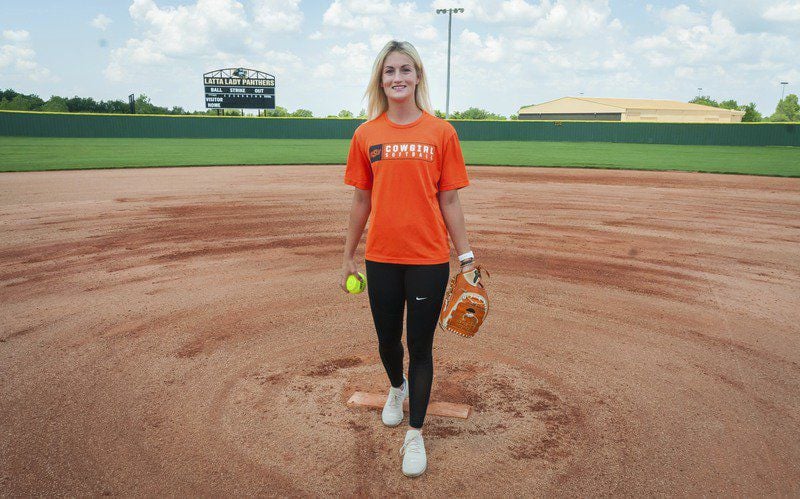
(420, 299)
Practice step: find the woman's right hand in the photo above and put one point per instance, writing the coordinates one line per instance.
(348, 269)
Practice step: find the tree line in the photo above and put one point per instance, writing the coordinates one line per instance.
(787, 109)
(15, 101)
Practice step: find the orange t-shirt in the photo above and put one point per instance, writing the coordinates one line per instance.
(406, 166)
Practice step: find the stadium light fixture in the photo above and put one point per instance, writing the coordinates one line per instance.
(783, 88)
(449, 13)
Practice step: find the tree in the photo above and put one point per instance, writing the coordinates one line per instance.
(704, 100)
(8, 94)
(144, 106)
(475, 113)
(11, 100)
(788, 109)
(278, 112)
(344, 113)
(362, 114)
(750, 113)
(21, 102)
(303, 113)
(17, 103)
(56, 104)
(83, 105)
(117, 106)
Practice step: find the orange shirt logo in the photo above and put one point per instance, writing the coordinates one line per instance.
(375, 153)
(402, 150)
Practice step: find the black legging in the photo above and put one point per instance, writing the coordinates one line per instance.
(390, 286)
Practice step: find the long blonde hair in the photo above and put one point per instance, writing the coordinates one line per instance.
(377, 102)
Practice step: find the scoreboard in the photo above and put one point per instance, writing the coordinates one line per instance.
(239, 88)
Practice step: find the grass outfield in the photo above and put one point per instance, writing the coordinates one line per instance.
(34, 153)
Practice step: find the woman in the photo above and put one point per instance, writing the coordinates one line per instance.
(406, 166)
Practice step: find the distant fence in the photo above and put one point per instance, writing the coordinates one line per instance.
(31, 124)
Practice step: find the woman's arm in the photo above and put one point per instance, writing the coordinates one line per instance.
(359, 213)
(453, 215)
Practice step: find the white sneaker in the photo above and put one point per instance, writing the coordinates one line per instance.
(414, 459)
(393, 409)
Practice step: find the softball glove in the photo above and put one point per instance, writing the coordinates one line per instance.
(465, 304)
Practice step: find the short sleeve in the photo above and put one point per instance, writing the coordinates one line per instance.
(454, 171)
(359, 171)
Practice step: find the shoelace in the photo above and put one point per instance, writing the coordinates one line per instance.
(397, 396)
(414, 445)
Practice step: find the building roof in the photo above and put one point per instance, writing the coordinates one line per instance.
(606, 105)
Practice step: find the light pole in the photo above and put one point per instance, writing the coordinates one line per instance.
(449, 13)
(783, 88)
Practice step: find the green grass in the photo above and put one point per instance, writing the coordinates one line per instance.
(33, 153)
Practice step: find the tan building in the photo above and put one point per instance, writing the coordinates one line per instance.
(601, 109)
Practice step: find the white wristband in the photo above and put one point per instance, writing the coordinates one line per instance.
(466, 256)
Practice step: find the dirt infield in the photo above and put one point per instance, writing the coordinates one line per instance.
(179, 331)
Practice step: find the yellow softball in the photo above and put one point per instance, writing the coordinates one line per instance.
(354, 285)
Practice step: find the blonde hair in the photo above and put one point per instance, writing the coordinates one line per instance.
(377, 102)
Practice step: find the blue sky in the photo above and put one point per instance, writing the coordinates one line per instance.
(506, 53)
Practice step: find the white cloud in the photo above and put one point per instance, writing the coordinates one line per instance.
(277, 62)
(16, 36)
(575, 16)
(190, 30)
(353, 56)
(728, 62)
(618, 60)
(324, 70)
(207, 33)
(18, 60)
(682, 15)
(428, 33)
(101, 22)
(402, 20)
(491, 49)
(563, 37)
(378, 40)
(716, 41)
(684, 72)
(783, 12)
(278, 15)
(567, 19)
(496, 11)
(532, 46)
(357, 14)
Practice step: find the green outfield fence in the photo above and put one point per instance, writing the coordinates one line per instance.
(34, 124)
